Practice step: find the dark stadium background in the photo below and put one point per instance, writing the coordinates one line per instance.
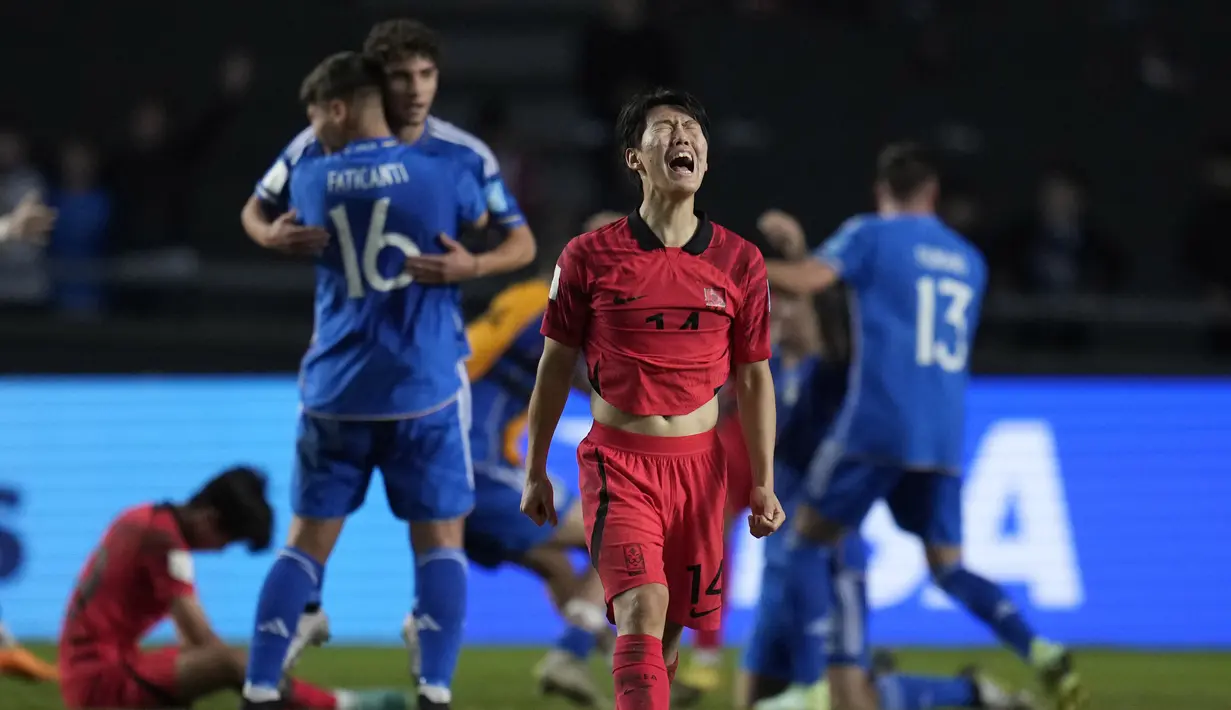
(1119, 104)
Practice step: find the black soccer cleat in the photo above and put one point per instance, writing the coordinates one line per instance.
(425, 704)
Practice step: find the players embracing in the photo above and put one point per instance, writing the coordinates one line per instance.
(663, 304)
(379, 192)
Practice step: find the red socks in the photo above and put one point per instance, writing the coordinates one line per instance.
(309, 697)
(641, 681)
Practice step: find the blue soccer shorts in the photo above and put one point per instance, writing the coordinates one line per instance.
(496, 530)
(424, 463)
(778, 627)
(927, 504)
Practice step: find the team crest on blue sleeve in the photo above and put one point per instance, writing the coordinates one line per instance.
(497, 199)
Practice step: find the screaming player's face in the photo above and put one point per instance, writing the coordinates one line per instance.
(673, 154)
(412, 89)
(329, 121)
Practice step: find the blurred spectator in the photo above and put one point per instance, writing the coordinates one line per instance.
(80, 237)
(621, 53)
(1207, 246)
(962, 210)
(516, 162)
(1059, 250)
(155, 176)
(23, 272)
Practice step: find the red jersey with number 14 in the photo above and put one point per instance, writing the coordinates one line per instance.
(661, 327)
(127, 585)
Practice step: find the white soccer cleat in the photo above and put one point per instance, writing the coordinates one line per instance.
(797, 697)
(560, 673)
(990, 694)
(312, 630)
(410, 637)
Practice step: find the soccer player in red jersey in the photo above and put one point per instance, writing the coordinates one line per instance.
(664, 304)
(141, 573)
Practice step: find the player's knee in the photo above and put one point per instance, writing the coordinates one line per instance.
(428, 535)
(641, 610)
(315, 536)
(813, 526)
(942, 559)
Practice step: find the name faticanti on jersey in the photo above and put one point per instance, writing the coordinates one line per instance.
(367, 178)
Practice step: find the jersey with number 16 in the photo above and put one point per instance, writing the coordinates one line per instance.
(916, 288)
(383, 346)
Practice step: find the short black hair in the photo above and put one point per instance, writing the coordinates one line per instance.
(237, 495)
(342, 76)
(905, 168)
(397, 40)
(631, 123)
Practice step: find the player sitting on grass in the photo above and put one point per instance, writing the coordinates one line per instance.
(140, 574)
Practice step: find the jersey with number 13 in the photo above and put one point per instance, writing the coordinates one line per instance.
(916, 288)
(383, 346)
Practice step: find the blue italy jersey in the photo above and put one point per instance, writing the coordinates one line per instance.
(440, 138)
(916, 288)
(383, 346)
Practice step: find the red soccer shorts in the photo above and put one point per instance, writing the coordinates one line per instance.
(739, 466)
(141, 679)
(653, 510)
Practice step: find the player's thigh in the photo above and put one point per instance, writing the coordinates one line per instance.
(928, 504)
(333, 466)
(496, 530)
(696, 539)
(842, 491)
(623, 518)
(426, 467)
(768, 651)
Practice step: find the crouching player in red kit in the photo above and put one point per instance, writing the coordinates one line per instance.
(141, 573)
(664, 303)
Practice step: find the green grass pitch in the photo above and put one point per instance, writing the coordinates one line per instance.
(499, 678)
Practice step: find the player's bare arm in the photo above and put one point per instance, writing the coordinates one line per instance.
(282, 233)
(192, 627)
(551, 390)
(458, 263)
(803, 277)
(754, 386)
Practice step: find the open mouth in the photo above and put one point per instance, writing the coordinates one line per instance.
(681, 163)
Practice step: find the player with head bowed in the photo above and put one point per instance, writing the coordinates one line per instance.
(898, 435)
(663, 304)
(382, 384)
(142, 573)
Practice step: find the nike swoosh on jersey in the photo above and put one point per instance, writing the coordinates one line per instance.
(620, 300)
(698, 614)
